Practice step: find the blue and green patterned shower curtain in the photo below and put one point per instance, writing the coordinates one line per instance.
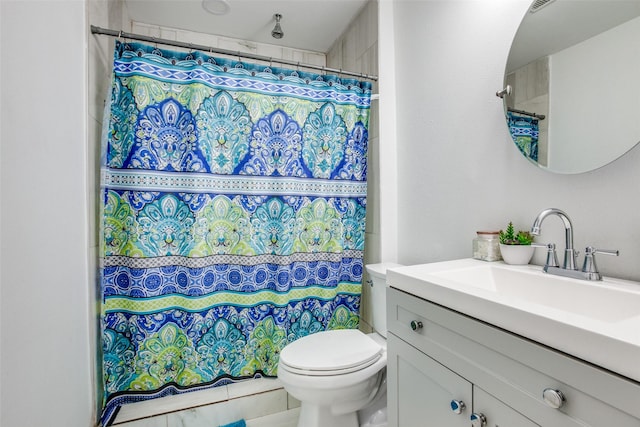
(524, 131)
(233, 218)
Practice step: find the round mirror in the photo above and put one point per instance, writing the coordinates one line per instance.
(572, 97)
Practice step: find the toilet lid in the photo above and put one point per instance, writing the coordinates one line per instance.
(330, 351)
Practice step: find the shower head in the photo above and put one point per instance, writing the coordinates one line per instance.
(277, 32)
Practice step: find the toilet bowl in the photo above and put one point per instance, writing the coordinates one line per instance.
(335, 374)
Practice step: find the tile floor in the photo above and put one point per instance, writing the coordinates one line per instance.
(287, 418)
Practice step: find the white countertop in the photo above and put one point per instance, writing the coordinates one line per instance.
(590, 328)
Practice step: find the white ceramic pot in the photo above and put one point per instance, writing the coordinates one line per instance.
(516, 254)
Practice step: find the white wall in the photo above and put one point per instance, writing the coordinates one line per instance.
(458, 169)
(576, 80)
(45, 362)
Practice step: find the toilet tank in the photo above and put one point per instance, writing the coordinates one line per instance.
(378, 292)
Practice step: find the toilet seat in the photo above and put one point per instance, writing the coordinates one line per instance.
(330, 353)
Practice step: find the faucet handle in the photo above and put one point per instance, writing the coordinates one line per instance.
(589, 265)
(613, 252)
(552, 257)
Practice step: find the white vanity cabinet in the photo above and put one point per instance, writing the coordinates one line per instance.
(438, 358)
(422, 389)
(429, 394)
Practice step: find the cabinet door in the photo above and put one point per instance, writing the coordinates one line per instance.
(420, 390)
(497, 413)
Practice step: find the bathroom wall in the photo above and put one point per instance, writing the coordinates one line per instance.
(46, 361)
(458, 170)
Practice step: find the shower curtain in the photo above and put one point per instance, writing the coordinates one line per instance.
(524, 131)
(233, 217)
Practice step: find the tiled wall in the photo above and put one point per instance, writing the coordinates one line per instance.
(357, 50)
(250, 399)
(227, 43)
(221, 405)
(531, 93)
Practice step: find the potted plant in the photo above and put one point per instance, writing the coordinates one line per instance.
(516, 247)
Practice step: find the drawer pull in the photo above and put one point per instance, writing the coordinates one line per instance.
(457, 406)
(416, 324)
(478, 420)
(553, 398)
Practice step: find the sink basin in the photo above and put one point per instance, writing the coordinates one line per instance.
(603, 300)
(596, 321)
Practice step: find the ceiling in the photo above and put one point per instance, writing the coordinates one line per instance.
(307, 24)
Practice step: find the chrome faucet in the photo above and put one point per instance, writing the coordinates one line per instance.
(569, 269)
(569, 253)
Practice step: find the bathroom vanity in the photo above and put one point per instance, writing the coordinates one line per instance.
(493, 355)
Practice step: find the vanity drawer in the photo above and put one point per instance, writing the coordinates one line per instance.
(514, 369)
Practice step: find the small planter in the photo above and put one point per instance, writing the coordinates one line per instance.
(516, 254)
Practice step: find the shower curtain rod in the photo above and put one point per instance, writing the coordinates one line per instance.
(526, 113)
(140, 37)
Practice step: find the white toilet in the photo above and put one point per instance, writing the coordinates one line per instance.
(335, 374)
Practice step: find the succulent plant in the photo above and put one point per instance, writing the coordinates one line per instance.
(510, 237)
